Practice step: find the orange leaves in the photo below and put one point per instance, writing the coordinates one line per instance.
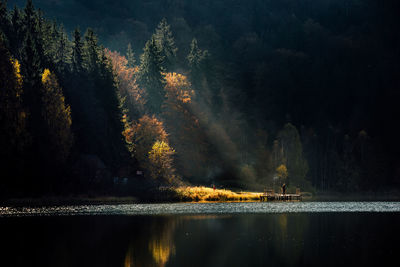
(148, 142)
(178, 87)
(143, 134)
(150, 128)
(127, 83)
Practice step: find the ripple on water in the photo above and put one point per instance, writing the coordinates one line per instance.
(202, 208)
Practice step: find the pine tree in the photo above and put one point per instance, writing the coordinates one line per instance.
(17, 38)
(166, 44)
(196, 58)
(151, 77)
(4, 22)
(32, 48)
(91, 51)
(32, 22)
(130, 55)
(77, 52)
(63, 51)
(106, 92)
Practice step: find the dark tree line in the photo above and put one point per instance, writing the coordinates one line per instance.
(60, 106)
(267, 87)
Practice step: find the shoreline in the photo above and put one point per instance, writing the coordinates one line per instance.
(173, 198)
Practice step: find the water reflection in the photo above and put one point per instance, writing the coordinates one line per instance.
(328, 239)
(158, 239)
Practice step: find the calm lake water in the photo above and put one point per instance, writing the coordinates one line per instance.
(209, 234)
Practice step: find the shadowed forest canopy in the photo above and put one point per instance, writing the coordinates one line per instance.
(242, 94)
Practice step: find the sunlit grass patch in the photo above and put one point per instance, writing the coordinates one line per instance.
(201, 193)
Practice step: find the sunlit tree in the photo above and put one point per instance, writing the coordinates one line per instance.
(57, 115)
(13, 116)
(186, 135)
(161, 162)
(282, 172)
(141, 135)
(134, 97)
(166, 44)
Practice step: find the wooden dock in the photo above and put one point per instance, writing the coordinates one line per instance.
(280, 197)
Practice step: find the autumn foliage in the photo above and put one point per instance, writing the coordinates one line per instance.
(13, 135)
(134, 97)
(56, 114)
(161, 161)
(148, 142)
(178, 88)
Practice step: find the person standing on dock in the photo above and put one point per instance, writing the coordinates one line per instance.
(284, 189)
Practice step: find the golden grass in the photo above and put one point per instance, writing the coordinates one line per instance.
(201, 193)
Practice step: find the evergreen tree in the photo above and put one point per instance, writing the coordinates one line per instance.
(30, 62)
(4, 22)
(77, 52)
(106, 93)
(32, 48)
(17, 38)
(130, 55)
(166, 44)
(196, 59)
(151, 77)
(91, 51)
(32, 22)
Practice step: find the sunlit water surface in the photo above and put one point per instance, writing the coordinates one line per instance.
(203, 208)
(203, 234)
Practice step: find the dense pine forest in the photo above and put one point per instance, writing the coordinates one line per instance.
(241, 94)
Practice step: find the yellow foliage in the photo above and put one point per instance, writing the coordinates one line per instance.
(161, 250)
(282, 172)
(201, 193)
(17, 73)
(178, 87)
(159, 149)
(57, 114)
(13, 116)
(160, 159)
(143, 134)
(46, 76)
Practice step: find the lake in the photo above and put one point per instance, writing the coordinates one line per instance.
(203, 234)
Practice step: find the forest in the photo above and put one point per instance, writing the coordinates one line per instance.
(121, 97)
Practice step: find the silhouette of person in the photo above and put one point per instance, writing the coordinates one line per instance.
(284, 188)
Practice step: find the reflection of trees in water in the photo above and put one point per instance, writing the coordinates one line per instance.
(161, 243)
(154, 244)
(219, 239)
(289, 238)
